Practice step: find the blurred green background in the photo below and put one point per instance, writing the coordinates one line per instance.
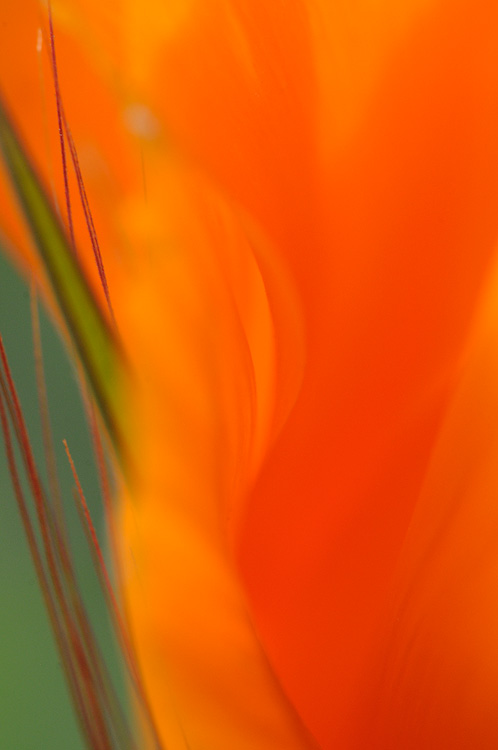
(35, 710)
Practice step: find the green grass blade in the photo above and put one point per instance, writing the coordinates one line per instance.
(95, 342)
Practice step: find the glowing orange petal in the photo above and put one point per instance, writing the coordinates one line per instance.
(435, 678)
(204, 406)
(372, 187)
(389, 284)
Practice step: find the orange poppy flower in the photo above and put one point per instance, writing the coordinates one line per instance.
(298, 209)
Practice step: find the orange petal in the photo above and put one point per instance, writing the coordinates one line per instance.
(204, 401)
(435, 678)
(389, 275)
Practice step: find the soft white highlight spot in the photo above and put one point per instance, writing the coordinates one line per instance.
(39, 41)
(140, 121)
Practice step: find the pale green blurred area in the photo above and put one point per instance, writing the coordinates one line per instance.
(35, 710)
